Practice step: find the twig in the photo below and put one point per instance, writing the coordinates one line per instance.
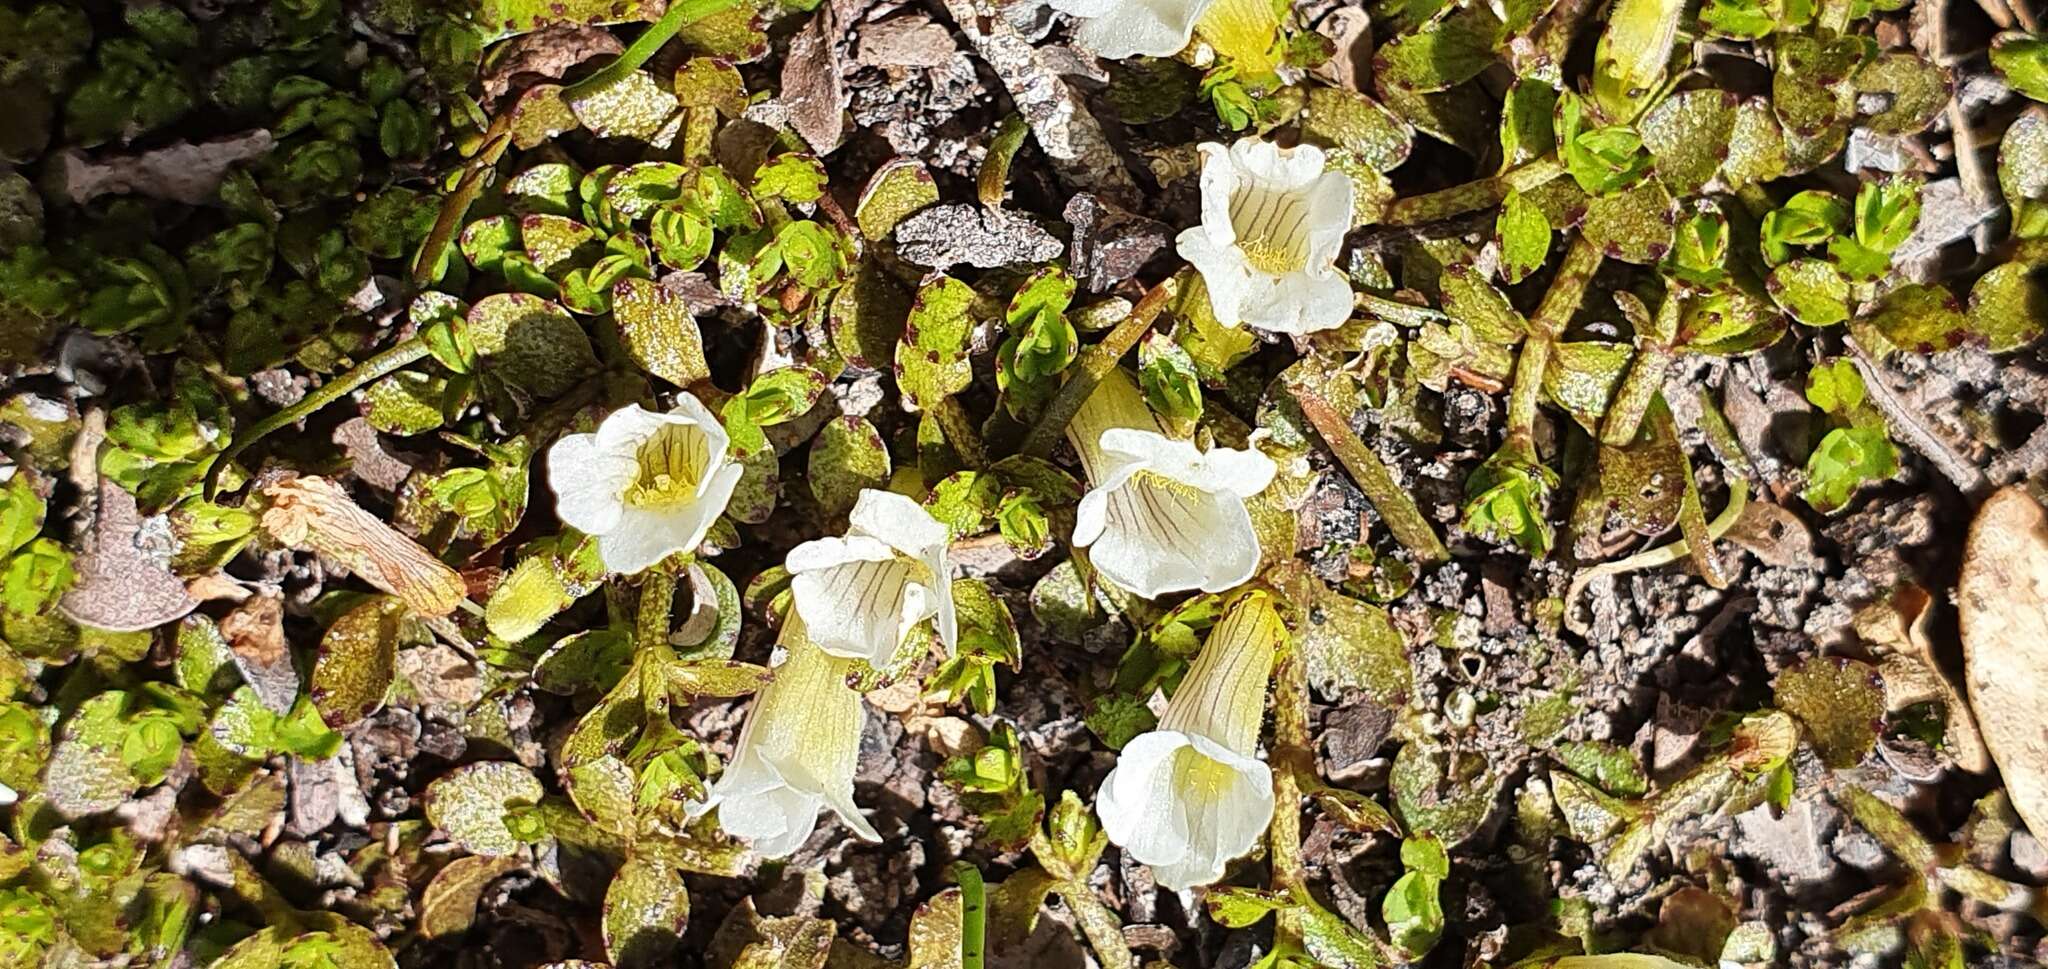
(426, 264)
(1396, 507)
(395, 358)
(1095, 362)
(1567, 291)
(1967, 477)
(958, 427)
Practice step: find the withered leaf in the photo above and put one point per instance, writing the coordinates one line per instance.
(315, 513)
(255, 634)
(948, 235)
(811, 87)
(2002, 599)
(121, 587)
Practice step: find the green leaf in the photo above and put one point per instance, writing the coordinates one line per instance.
(473, 802)
(896, 190)
(1167, 373)
(1635, 225)
(1812, 290)
(658, 332)
(2023, 59)
(2009, 306)
(1912, 89)
(1688, 135)
(847, 456)
(1847, 458)
(1337, 118)
(931, 359)
(1524, 236)
(635, 106)
(793, 177)
(1441, 53)
(358, 658)
(531, 344)
(1836, 387)
(1923, 319)
(1840, 703)
(645, 911)
(1415, 918)
(1242, 908)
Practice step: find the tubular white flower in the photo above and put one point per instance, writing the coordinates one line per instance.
(1122, 28)
(1273, 220)
(796, 753)
(1193, 794)
(646, 484)
(862, 594)
(1161, 516)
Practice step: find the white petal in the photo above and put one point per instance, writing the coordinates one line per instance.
(853, 610)
(1138, 804)
(712, 498)
(1083, 8)
(1300, 302)
(777, 821)
(1331, 209)
(1090, 516)
(1219, 183)
(1224, 272)
(819, 554)
(689, 409)
(947, 621)
(1243, 473)
(1155, 28)
(1285, 169)
(898, 520)
(589, 483)
(625, 428)
(641, 539)
(1158, 540)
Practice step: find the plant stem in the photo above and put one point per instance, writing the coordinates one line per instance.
(426, 264)
(1292, 751)
(1396, 507)
(1096, 361)
(959, 430)
(1567, 290)
(395, 358)
(1472, 196)
(657, 600)
(1632, 399)
(973, 915)
(680, 14)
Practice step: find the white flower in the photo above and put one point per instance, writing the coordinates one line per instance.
(1121, 28)
(646, 484)
(1272, 222)
(860, 595)
(796, 753)
(1190, 796)
(8, 795)
(1161, 516)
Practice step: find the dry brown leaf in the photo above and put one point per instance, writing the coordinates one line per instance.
(255, 635)
(2003, 598)
(1912, 674)
(122, 586)
(811, 87)
(182, 172)
(314, 513)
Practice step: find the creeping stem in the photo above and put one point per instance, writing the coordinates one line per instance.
(680, 14)
(1632, 399)
(1396, 507)
(1484, 193)
(1095, 362)
(383, 363)
(1293, 755)
(1566, 291)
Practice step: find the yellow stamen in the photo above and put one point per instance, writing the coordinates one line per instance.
(671, 463)
(1273, 260)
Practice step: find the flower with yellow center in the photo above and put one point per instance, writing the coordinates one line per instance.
(1244, 31)
(1273, 221)
(1161, 515)
(1190, 796)
(796, 753)
(646, 484)
(863, 593)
